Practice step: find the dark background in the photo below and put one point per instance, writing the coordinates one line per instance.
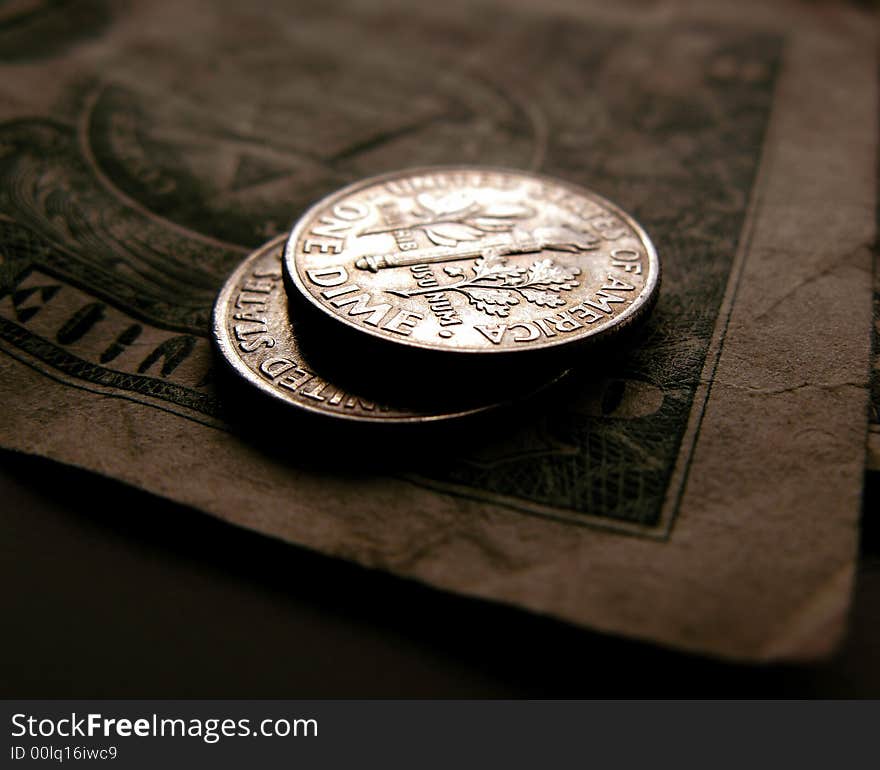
(111, 592)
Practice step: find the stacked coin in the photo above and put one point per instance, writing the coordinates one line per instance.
(434, 293)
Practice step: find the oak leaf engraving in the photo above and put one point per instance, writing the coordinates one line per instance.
(491, 300)
(496, 266)
(555, 277)
(497, 285)
(542, 297)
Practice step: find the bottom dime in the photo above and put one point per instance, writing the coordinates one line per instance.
(255, 335)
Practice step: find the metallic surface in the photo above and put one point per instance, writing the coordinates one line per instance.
(255, 336)
(473, 260)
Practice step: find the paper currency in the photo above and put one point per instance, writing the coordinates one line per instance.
(873, 462)
(701, 492)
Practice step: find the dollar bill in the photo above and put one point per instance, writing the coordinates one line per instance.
(872, 464)
(873, 461)
(700, 491)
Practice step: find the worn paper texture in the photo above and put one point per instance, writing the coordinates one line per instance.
(873, 461)
(701, 490)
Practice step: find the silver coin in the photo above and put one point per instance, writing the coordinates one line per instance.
(257, 337)
(473, 260)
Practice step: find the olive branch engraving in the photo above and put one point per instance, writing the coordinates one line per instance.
(497, 285)
(454, 218)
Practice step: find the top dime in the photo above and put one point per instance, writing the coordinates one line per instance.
(473, 260)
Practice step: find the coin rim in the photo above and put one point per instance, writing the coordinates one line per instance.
(648, 295)
(228, 353)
